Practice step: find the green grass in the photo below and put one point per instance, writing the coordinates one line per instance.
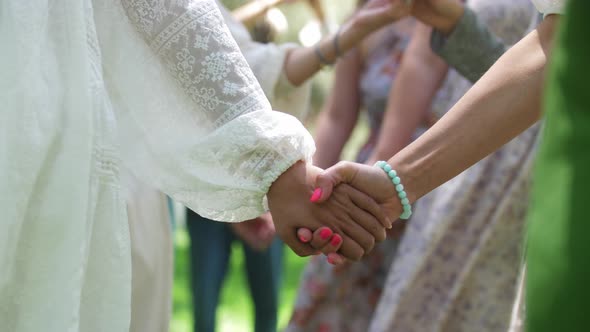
(235, 312)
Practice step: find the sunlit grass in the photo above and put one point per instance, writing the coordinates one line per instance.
(235, 312)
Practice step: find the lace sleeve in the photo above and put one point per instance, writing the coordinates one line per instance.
(193, 119)
(267, 64)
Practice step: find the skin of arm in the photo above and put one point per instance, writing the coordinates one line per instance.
(420, 75)
(302, 63)
(340, 115)
(442, 15)
(501, 105)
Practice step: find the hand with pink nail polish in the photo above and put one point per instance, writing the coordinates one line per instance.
(355, 217)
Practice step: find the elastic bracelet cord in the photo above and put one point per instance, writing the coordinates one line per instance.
(336, 42)
(337, 52)
(399, 187)
(321, 56)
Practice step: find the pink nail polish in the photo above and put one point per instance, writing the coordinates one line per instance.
(336, 240)
(317, 194)
(325, 233)
(302, 239)
(331, 260)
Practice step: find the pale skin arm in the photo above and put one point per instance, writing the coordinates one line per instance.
(340, 115)
(302, 63)
(420, 76)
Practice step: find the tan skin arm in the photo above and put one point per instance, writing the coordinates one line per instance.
(302, 63)
(420, 76)
(340, 115)
(502, 104)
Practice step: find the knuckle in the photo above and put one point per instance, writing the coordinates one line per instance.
(367, 244)
(342, 163)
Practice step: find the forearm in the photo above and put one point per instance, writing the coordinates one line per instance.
(303, 62)
(503, 103)
(330, 136)
(419, 78)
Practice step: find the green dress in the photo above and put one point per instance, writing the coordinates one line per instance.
(559, 224)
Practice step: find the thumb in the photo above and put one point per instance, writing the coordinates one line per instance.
(342, 172)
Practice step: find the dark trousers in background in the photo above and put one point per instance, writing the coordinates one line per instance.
(210, 253)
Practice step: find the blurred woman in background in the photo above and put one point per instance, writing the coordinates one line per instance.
(426, 265)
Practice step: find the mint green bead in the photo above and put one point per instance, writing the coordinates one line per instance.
(406, 215)
(405, 201)
(386, 168)
(392, 174)
(399, 187)
(402, 194)
(380, 163)
(396, 180)
(406, 206)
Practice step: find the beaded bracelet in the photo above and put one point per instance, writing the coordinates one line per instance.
(337, 53)
(399, 187)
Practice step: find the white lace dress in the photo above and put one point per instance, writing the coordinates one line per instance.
(86, 85)
(149, 224)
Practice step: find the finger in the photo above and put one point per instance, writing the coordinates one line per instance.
(321, 237)
(369, 223)
(301, 249)
(335, 259)
(332, 245)
(350, 249)
(356, 233)
(366, 203)
(341, 172)
(304, 235)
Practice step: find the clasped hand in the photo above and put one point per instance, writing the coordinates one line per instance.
(355, 206)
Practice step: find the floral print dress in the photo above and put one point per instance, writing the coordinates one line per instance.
(457, 265)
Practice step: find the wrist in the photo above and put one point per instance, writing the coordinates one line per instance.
(354, 30)
(330, 49)
(288, 179)
(296, 181)
(401, 193)
(451, 18)
(409, 172)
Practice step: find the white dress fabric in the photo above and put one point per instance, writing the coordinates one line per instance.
(266, 62)
(149, 224)
(548, 7)
(152, 256)
(85, 84)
